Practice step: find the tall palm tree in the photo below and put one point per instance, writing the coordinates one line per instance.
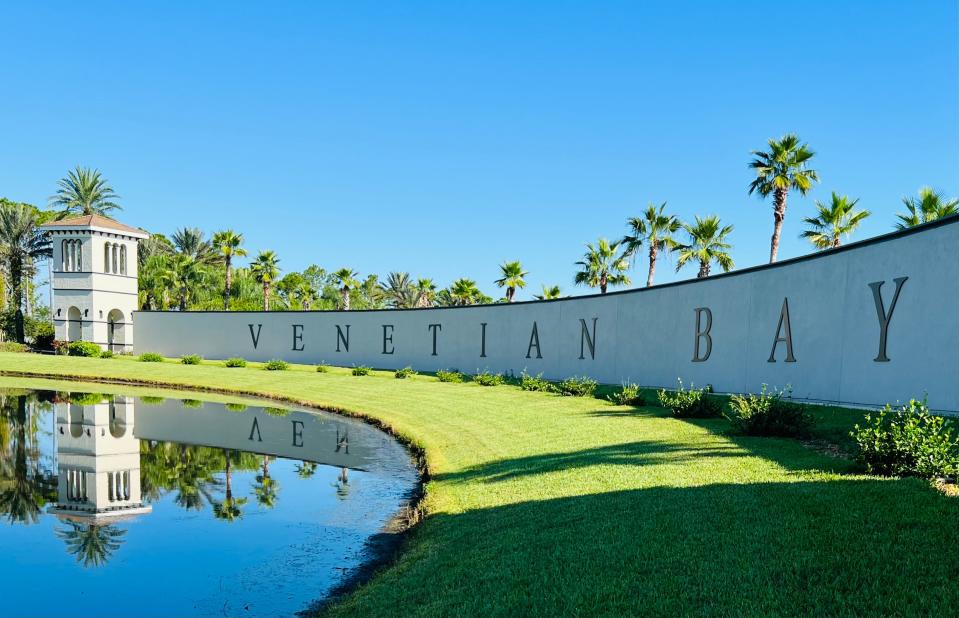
(840, 218)
(513, 277)
(784, 167)
(20, 244)
(191, 241)
(549, 293)
(265, 270)
(463, 292)
(656, 229)
(184, 276)
(84, 191)
(707, 244)
(602, 266)
(345, 281)
(400, 291)
(229, 509)
(229, 244)
(929, 206)
(425, 292)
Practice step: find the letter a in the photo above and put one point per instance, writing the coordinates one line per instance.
(784, 334)
(255, 430)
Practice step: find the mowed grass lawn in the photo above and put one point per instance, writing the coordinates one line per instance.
(547, 505)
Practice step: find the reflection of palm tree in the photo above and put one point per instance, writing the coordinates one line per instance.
(25, 489)
(92, 544)
(342, 484)
(266, 488)
(230, 508)
(306, 469)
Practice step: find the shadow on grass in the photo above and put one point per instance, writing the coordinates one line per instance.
(844, 547)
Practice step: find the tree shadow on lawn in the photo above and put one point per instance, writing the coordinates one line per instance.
(842, 547)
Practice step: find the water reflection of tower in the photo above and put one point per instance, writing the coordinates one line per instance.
(98, 461)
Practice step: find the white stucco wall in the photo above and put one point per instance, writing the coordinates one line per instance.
(648, 336)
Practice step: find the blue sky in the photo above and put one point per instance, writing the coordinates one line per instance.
(444, 138)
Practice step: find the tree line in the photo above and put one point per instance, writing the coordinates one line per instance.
(193, 270)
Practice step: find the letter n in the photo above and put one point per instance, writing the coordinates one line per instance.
(586, 340)
(341, 338)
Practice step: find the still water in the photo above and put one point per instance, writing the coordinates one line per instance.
(117, 505)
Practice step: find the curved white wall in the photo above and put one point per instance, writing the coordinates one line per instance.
(650, 336)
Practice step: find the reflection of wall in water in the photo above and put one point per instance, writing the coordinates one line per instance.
(98, 460)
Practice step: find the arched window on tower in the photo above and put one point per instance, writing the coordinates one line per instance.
(116, 258)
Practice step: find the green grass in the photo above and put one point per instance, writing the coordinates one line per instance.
(548, 505)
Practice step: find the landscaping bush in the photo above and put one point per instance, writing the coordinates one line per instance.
(908, 441)
(83, 348)
(488, 379)
(628, 395)
(578, 387)
(107, 354)
(768, 414)
(528, 382)
(61, 348)
(690, 403)
(405, 372)
(362, 370)
(12, 346)
(276, 365)
(235, 362)
(191, 359)
(191, 403)
(152, 400)
(150, 357)
(42, 335)
(236, 407)
(451, 375)
(88, 399)
(322, 369)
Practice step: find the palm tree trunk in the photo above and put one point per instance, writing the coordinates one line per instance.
(228, 284)
(652, 264)
(703, 270)
(16, 282)
(779, 213)
(345, 297)
(509, 294)
(603, 282)
(266, 296)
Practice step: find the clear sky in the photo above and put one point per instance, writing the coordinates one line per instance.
(444, 138)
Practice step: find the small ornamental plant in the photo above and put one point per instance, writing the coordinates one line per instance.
(84, 348)
(107, 354)
(234, 362)
(450, 375)
(629, 394)
(908, 441)
(276, 365)
(770, 413)
(405, 372)
(537, 383)
(487, 378)
(322, 369)
(190, 359)
(150, 357)
(578, 387)
(690, 403)
(362, 370)
(191, 403)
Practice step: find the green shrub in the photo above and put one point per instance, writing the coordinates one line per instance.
(236, 407)
(362, 370)
(628, 395)
(12, 346)
(191, 359)
(908, 441)
(152, 400)
(191, 403)
(83, 348)
(529, 382)
(42, 335)
(322, 369)
(276, 411)
(108, 354)
(578, 387)
(236, 361)
(405, 372)
(276, 365)
(768, 414)
(451, 375)
(88, 399)
(150, 357)
(488, 379)
(690, 403)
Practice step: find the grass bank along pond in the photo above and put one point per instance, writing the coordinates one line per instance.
(231, 507)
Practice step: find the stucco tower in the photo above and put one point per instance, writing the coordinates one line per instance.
(94, 280)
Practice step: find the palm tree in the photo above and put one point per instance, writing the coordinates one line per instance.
(656, 229)
(838, 219)
(20, 244)
(707, 244)
(230, 508)
(400, 291)
(513, 277)
(781, 169)
(602, 266)
(930, 205)
(345, 281)
(92, 544)
(190, 241)
(549, 293)
(84, 192)
(184, 275)
(266, 487)
(464, 292)
(425, 292)
(265, 270)
(229, 244)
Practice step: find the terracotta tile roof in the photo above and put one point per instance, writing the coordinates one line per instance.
(93, 221)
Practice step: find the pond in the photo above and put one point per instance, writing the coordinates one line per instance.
(121, 505)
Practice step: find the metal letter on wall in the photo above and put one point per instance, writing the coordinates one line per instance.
(784, 334)
(533, 342)
(298, 338)
(340, 337)
(255, 336)
(587, 340)
(703, 333)
(387, 338)
(884, 318)
(483, 340)
(434, 328)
